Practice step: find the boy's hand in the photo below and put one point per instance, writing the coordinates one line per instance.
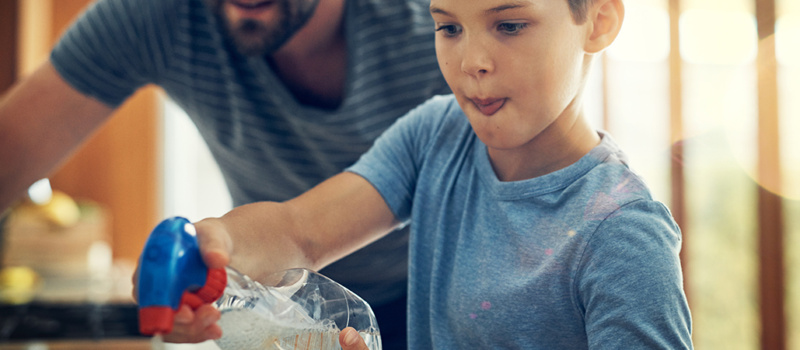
(214, 242)
(195, 326)
(350, 340)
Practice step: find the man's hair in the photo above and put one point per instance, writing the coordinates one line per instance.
(578, 9)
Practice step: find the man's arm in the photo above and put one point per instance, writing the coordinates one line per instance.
(42, 121)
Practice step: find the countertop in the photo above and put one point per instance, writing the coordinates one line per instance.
(75, 311)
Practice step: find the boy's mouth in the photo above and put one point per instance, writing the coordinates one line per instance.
(488, 106)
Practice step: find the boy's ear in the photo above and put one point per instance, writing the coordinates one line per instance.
(604, 22)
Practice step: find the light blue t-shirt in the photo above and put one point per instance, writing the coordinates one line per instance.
(579, 258)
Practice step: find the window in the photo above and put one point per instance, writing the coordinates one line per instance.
(688, 74)
(193, 184)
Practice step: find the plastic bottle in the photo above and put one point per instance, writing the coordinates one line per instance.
(300, 309)
(294, 309)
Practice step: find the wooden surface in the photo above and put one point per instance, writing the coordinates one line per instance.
(8, 44)
(771, 279)
(121, 344)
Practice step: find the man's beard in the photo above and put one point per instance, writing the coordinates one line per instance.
(256, 38)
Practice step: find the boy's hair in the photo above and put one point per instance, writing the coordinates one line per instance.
(578, 9)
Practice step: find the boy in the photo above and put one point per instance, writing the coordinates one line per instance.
(528, 228)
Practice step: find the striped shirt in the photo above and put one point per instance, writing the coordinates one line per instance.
(268, 146)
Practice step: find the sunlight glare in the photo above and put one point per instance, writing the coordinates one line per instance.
(644, 36)
(718, 37)
(787, 40)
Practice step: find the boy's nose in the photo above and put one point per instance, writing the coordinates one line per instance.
(476, 59)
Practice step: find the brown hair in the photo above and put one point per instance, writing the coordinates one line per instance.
(579, 9)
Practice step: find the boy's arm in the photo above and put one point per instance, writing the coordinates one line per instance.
(42, 120)
(631, 284)
(331, 220)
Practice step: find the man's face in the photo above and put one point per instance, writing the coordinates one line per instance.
(260, 27)
(515, 66)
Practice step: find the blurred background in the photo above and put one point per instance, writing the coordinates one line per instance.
(704, 95)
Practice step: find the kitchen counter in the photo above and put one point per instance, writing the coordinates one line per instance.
(62, 321)
(66, 292)
(75, 313)
(81, 345)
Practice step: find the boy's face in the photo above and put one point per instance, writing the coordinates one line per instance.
(259, 27)
(513, 65)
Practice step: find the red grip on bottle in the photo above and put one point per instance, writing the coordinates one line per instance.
(158, 319)
(155, 320)
(216, 280)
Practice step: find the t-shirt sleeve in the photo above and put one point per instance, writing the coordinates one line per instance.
(393, 162)
(115, 47)
(631, 286)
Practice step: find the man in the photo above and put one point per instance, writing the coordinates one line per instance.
(285, 92)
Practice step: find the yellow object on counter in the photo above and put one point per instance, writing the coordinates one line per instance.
(58, 239)
(18, 284)
(61, 210)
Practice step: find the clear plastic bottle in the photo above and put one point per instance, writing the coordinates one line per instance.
(298, 309)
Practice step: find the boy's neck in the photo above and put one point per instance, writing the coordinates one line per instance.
(561, 144)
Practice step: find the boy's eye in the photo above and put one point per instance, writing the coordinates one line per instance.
(511, 28)
(449, 29)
